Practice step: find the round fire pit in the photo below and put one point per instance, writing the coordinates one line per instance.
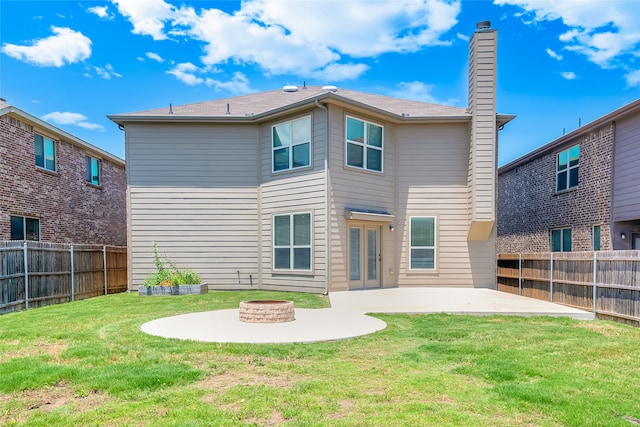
(267, 311)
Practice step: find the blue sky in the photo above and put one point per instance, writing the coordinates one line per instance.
(73, 62)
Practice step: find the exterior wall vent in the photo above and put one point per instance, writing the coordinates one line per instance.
(330, 88)
(290, 88)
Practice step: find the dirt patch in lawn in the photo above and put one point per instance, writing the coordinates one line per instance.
(46, 400)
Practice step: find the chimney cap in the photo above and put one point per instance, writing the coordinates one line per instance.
(483, 25)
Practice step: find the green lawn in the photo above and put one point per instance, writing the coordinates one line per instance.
(88, 364)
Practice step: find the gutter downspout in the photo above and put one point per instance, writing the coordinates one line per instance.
(326, 198)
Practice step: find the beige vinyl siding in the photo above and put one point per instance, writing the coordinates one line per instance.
(481, 172)
(193, 190)
(432, 181)
(626, 182)
(295, 191)
(359, 189)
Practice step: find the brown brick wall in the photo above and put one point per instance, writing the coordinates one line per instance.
(69, 209)
(529, 207)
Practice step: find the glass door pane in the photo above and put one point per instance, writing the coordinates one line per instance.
(354, 253)
(372, 254)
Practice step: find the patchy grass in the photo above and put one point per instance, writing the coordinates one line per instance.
(88, 363)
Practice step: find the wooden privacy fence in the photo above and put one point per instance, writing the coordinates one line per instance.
(34, 274)
(606, 283)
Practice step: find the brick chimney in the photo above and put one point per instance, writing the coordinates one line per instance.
(483, 145)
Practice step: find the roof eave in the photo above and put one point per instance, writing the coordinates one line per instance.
(64, 134)
(555, 144)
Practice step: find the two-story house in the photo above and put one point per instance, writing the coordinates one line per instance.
(57, 187)
(319, 189)
(580, 192)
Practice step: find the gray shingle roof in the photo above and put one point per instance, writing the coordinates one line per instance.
(264, 103)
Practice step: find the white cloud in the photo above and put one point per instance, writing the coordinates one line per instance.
(417, 91)
(147, 16)
(238, 85)
(154, 56)
(65, 47)
(101, 11)
(186, 73)
(569, 75)
(338, 72)
(602, 30)
(292, 37)
(553, 54)
(633, 78)
(463, 37)
(69, 118)
(106, 72)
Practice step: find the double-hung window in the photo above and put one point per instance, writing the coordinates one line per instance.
(45, 152)
(567, 168)
(24, 228)
(422, 243)
(291, 144)
(364, 145)
(93, 171)
(561, 240)
(292, 242)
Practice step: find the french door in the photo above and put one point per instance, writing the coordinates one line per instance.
(364, 256)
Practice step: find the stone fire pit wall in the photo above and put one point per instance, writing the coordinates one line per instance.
(267, 311)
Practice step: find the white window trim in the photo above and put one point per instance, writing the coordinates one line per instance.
(291, 246)
(364, 145)
(567, 170)
(55, 152)
(273, 149)
(435, 245)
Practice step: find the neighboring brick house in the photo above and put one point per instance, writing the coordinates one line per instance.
(57, 187)
(580, 192)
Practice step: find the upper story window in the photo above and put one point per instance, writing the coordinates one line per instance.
(23, 228)
(561, 240)
(292, 242)
(422, 243)
(93, 170)
(45, 152)
(292, 144)
(595, 238)
(364, 145)
(567, 168)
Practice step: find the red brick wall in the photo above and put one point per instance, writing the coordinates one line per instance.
(529, 207)
(70, 210)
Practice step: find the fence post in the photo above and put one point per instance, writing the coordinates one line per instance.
(104, 265)
(25, 253)
(72, 275)
(595, 281)
(520, 274)
(551, 277)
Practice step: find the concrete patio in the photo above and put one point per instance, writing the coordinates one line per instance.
(347, 316)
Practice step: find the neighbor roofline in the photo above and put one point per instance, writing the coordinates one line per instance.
(557, 143)
(65, 135)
